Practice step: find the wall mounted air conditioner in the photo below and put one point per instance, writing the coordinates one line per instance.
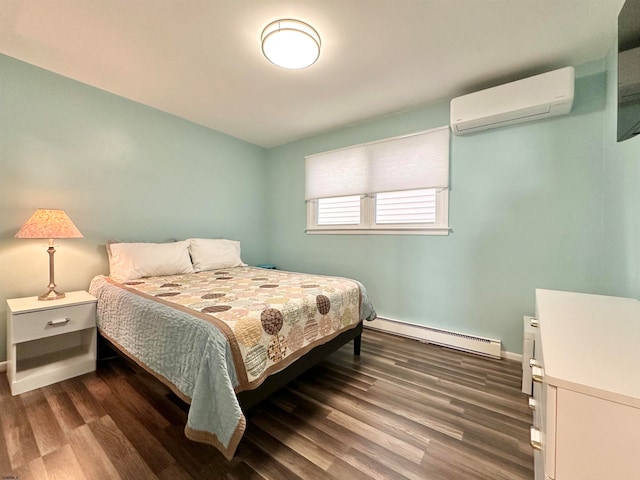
(541, 96)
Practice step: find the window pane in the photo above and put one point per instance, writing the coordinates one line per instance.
(410, 206)
(339, 210)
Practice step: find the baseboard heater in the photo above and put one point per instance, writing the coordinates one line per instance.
(447, 338)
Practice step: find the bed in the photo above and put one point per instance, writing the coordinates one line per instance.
(223, 338)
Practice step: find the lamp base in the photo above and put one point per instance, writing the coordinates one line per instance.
(51, 295)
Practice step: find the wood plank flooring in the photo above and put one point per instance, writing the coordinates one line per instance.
(404, 410)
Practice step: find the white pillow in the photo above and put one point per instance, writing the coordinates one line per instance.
(129, 261)
(212, 254)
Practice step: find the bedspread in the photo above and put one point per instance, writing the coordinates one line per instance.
(211, 334)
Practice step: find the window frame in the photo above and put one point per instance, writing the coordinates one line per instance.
(415, 161)
(367, 225)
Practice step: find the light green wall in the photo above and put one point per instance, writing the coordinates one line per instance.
(120, 170)
(525, 209)
(621, 177)
(552, 204)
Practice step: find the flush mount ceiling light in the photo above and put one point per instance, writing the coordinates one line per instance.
(290, 44)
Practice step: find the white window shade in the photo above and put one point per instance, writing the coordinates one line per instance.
(336, 173)
(411, 162)
(408, 163)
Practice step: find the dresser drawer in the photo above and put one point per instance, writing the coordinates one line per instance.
(45, 323)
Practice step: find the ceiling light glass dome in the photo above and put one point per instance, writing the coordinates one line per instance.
(290, 44)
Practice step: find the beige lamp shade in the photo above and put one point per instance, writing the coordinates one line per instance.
(46, 223)
(50, 224)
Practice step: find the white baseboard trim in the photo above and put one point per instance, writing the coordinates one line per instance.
(417, 332)
(512, 356)
(3, 367)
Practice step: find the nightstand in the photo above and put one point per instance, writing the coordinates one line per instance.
(50, 341)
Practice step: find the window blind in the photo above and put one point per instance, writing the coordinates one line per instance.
(410, 162)
(336, 173)
(415, 206)
(339, 210)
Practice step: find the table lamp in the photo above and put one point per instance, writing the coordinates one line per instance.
(49, 224)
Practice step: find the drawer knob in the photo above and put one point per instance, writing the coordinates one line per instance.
(534, 322)
(537, 373)
(55, 323)
(532, 403)
(535, 438)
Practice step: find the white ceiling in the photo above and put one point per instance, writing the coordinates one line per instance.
(201, 59)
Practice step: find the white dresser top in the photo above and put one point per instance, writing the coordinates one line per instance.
(32, 304)
(591, 343)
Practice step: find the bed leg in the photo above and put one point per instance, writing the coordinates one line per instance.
(357, 341)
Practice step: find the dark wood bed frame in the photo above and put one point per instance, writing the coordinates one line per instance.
(249, 398)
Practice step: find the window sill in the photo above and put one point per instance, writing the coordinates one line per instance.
(378, 231)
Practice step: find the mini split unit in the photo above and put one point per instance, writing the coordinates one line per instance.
(541, 96)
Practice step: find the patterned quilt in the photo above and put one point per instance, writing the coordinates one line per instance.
(211, 334)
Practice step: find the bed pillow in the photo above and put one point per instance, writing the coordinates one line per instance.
(212, 254)
(130, 261)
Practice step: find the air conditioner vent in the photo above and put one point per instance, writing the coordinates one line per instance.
(541, 96)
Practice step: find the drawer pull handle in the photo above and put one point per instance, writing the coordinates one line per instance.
(532, 403)
(534, 322)
(55, 323)
(537, 373)
(535, 438)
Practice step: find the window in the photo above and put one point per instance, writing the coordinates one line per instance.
(413, 206)
(339, 210)
(398, 185)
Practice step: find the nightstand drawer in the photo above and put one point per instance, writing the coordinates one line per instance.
(45, 323)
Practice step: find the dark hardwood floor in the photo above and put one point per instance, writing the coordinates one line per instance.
(404, 410)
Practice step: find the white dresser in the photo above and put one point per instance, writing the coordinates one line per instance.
(586, 395)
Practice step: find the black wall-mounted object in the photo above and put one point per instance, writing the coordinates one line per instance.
(629, 70)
